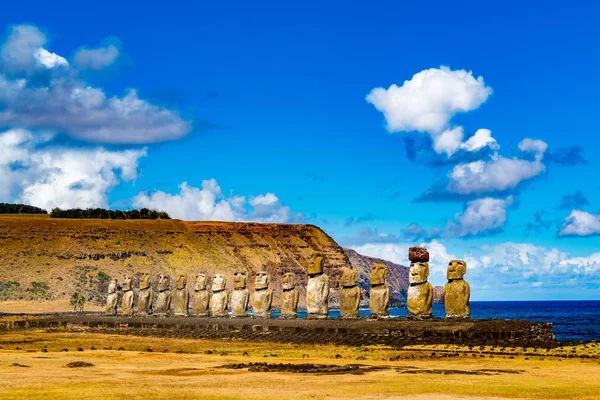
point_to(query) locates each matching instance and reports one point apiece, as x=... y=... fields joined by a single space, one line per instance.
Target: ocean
x=572 y=320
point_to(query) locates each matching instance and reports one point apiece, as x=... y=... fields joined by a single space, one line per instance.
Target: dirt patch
x=79 y=364
x=420 y=371
x=325 y=369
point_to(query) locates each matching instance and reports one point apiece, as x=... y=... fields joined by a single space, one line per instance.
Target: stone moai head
x=181 y=282
x=349 y=278
x=316 y=264
x=239 y=280
x=288 y=282
x=456 y=269
x=126 y=283
x=418 y=272
x=261 y=281
x=163 y=283
x=378 y=274
x=112 y=286
x=219 y=282
x=145 y=280
x=201 y=281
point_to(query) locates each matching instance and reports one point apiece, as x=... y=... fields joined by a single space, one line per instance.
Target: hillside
x=49 y=259
x=397 y=274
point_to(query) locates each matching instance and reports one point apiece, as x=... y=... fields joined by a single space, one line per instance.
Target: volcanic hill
x=397 y=278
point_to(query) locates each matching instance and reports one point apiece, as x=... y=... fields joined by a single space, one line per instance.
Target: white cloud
x=51 y=177
x=48 y=59
x=451 y=140
x=268 y=208
x=538 y=147
x=581 y=223
x=210 y=204
x=97 y=58
x=62 y=103
x=480 y=216
x=497 y=174
x=482 y=138
x=427 y=102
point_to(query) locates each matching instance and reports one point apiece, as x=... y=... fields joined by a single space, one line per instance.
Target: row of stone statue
x=203 y=303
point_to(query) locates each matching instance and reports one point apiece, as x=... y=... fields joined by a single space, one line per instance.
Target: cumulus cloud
x=210 y=204
x=48 y=177
x=427 y=103
x=96 y=58
x=268 y=208
x=498 y=174
x=580 y=223
x=61 y=102
x=481 y=216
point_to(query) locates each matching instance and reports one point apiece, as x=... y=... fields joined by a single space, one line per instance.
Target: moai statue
x=420 y=292
x=181 y=300
x=145 y=295
x=220 y=297
x=112 y=298
x=379 y=297
x=201 y=297
x=457 y=291
x=127 y=300
x=349 y=294
x=263 y=296
x=289 y=296
x=240 y=297
x=317 y=288
x=164 y=299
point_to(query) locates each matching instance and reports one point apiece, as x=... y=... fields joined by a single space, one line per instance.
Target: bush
x=103 y=276
x=38 y=289
x=9 y=290
x=77 y=301
x=102 y=213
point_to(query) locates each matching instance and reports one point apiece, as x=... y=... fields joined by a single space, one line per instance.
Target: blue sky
x=262 y=112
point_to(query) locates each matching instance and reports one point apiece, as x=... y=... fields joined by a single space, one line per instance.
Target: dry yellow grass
x=194 y=374
x=41 y=307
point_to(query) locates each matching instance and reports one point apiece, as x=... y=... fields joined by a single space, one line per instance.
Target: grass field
x=33 y=364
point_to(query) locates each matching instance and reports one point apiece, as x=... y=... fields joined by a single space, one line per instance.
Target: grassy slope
x=68 y=254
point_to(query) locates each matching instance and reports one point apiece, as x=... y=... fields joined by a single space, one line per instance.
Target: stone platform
x=395 y=332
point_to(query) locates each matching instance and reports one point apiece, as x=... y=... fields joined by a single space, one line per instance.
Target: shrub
x=77 y=301
x=38 y=289
x=103 y=276
x=9 y=290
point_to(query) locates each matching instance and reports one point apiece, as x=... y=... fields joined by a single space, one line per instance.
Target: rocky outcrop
x=397 y=278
